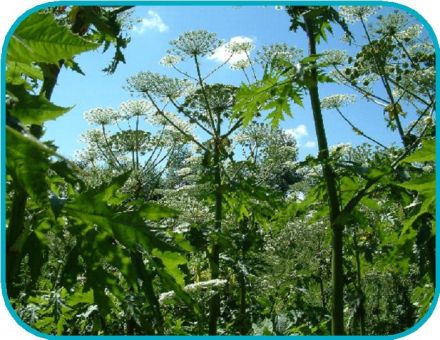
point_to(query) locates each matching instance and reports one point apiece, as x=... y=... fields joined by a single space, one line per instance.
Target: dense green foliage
x=188 y=211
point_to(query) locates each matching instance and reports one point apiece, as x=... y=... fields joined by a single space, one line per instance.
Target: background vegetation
x=188 y=211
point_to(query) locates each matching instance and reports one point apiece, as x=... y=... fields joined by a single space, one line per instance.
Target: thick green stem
x=244 y=324
x=361 y=310
x=137 y=143
x=15 y=229
x=205 y=95
x=214 y=305
x=333 y=200
x=244 y=319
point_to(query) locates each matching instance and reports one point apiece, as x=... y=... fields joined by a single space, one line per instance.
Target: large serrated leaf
x=154 y=212
x=425 y=154
x=36 y=251
x=27 y=162
x=16 y=71
x=33 y=109
x=425 y=184
x=39 y=38
x=172 y=261
x=72 y=267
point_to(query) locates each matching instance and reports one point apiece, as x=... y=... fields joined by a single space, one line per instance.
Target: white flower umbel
x=340 y=148
x=240 y=64
x=336 y=101
x=93 y=137
x=353 y=14
x=334 y=57
x=410 y=33
x=170 y=60
x=195 y=43
x=277 y=53
x=240 y=46
x=133 y=108
x=159 y=85
x=194 y=287
x=101 y=116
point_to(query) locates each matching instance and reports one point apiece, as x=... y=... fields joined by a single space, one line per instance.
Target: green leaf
x=33 y=109
x=427 y=206
x=172 y=261
x=27 y=162
x=80 y=298
x=72 y=267
x=310 y=59
x=74 y=66
x=272 y=95
x=425 y=154
x=129 y=228
x=370 y=203
x=425 y=184
x=98 y=280
x=37 y=258
x=16 y=71
x=170 y=283
x=39 y=38
x=155 y=212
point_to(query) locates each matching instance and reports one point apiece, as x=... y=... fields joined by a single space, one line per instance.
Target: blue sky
x=150 y=38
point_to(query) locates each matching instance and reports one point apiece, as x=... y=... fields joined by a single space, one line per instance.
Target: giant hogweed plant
x=105 y=241
x=289 y=81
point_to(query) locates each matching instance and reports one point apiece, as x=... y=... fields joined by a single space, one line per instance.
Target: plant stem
x=214 y=305
x=333 y=199
x=361 y=309
x=15 y=229
x=357 y=130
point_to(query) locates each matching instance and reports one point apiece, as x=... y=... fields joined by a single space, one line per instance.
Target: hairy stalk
x=361 y=307
x=214 y=304
x=333 y=199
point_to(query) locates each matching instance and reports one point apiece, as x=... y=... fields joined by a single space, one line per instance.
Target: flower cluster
x=340 y=148
x=276 y=54
x=101 y=116
x=93 y=137
x=337 y=100
x=240 y=64
x=131 y=140
x=240 y=47
x=159 y=85
x=353 y=14
x=410 y=33
x=133 y=108
x=195 y=43
x=334 y=57
x=170 y=60
x=193 y=288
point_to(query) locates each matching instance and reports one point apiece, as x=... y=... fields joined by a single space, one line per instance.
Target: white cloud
x=297 y=132
x=221 y=54
x=152 y=22
x=310 y=144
